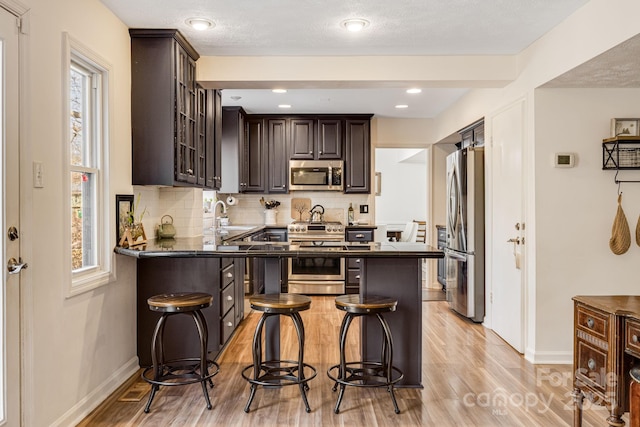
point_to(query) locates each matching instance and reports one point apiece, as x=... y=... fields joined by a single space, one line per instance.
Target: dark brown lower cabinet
x=220 y=277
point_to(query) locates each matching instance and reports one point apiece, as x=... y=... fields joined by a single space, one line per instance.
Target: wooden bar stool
x=366 y=373
x=279 y=372
x=186 y=370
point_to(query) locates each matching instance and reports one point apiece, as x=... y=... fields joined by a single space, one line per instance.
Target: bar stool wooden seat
x=279 y=372
x=185 y=370
x=366 y=373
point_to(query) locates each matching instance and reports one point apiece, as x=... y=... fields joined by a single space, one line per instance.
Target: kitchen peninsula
x=391 y=269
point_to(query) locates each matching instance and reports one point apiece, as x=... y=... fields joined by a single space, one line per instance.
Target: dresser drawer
x=227 y=275
x=593 y=322
x=632 y=336
x=591 y=366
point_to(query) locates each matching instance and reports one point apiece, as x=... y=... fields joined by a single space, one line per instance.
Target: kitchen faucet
x=215 y=220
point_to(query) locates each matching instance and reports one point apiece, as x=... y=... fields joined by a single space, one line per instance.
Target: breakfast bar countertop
x=207 y=246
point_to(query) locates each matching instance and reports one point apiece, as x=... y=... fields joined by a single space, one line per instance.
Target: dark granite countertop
x=207 y=246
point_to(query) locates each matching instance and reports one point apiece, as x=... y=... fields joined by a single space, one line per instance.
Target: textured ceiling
x=312 y=27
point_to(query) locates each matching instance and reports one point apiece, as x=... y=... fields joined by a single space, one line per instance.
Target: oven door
x=316 y=275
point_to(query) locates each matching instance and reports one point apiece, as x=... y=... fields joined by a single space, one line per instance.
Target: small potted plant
x=270 y=210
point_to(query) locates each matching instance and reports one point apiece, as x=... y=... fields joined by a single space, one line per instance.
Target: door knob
x=515 y=240
x=14 y=267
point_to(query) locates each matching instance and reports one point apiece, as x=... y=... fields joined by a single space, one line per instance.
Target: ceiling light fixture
x=414 y=90
x=284 y=106
x=355 y=25
x=402 y=106
x=200 y=24
x=279 y=90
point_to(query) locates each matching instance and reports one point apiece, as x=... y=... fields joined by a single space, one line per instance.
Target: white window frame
x=86 y=279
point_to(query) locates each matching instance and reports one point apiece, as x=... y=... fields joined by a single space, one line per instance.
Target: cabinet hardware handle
x=319 y=152
x=189 y=170
x=634 y=338
x=229 y=274
x=359 y=236
x=310 y=152
x=283 y=185
x=357 y=276
x=229 y=324
x=229 y=298
x=591 y=364
x=590 y=322
x=358 y=261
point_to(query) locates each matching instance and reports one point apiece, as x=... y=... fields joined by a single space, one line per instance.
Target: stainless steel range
x=317 y=275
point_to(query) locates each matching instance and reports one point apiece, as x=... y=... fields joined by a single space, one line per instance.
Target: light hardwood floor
x=470 y=377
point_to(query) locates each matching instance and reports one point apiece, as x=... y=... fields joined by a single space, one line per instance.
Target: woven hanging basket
x=620 y=234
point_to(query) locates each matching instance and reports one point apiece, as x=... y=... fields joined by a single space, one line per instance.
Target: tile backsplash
x=249 y=211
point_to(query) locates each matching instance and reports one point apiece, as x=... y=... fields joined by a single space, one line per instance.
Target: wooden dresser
x=606 y=344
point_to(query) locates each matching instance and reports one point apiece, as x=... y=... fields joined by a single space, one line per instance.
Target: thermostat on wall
x=564 y=160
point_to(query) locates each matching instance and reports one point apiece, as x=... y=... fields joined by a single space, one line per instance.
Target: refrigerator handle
x=454 y=254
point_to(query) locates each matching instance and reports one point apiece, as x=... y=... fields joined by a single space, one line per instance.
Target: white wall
x=575 y=208
x=77 y=349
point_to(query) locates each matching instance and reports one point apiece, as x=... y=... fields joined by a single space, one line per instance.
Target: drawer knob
x=229 y=274
x=358 y=261
x=229 y=324
x=229 y=298
x=358 y=276
x=590 y=322
x=634 y=338
x=591 y=364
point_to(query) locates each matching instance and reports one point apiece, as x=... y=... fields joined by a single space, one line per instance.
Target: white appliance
x=464 y=248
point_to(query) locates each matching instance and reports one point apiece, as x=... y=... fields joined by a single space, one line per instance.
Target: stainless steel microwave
x=315 y=175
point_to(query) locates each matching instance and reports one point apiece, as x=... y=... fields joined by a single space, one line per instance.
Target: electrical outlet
x=364 y=209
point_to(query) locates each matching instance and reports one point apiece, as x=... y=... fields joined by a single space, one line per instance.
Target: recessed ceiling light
x=355 y=25
x=414 y=90
x=402 y=106
x=200 y=24
x=284 y=106
x=279 y=90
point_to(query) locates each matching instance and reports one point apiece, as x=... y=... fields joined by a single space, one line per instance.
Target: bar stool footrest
x=279 y=373
x=365 y=374
x=181 y=372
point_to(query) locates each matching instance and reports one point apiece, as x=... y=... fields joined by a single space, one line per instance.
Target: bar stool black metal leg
x=203 y=321
x=204 y=371
x=388 y=344
x=342 y=372
x=297 y=322
x=257 y=358
x=156 y=354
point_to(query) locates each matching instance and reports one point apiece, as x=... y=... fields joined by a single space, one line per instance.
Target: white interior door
x=507 y=262
x=9 y=176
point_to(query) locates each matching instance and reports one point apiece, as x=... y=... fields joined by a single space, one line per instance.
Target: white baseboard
x=91 y=401
x=549 y=357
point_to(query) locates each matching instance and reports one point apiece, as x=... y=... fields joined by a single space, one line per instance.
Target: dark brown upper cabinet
x=302 y=141
x=316 y=138
x=170 y=144
x=278 y=169
x=472 y=135
x=253 y=155
x=329 y=139
x=357 y=163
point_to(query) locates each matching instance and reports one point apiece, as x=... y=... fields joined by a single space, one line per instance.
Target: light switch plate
x=38 y=175
x=364 y=209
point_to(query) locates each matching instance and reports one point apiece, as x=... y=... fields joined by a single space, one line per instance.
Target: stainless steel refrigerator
x=464 y=249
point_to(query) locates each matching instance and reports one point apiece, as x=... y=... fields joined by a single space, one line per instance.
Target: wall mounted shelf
x=621 y=153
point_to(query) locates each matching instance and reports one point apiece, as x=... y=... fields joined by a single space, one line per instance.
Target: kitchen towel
x=620 y=233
